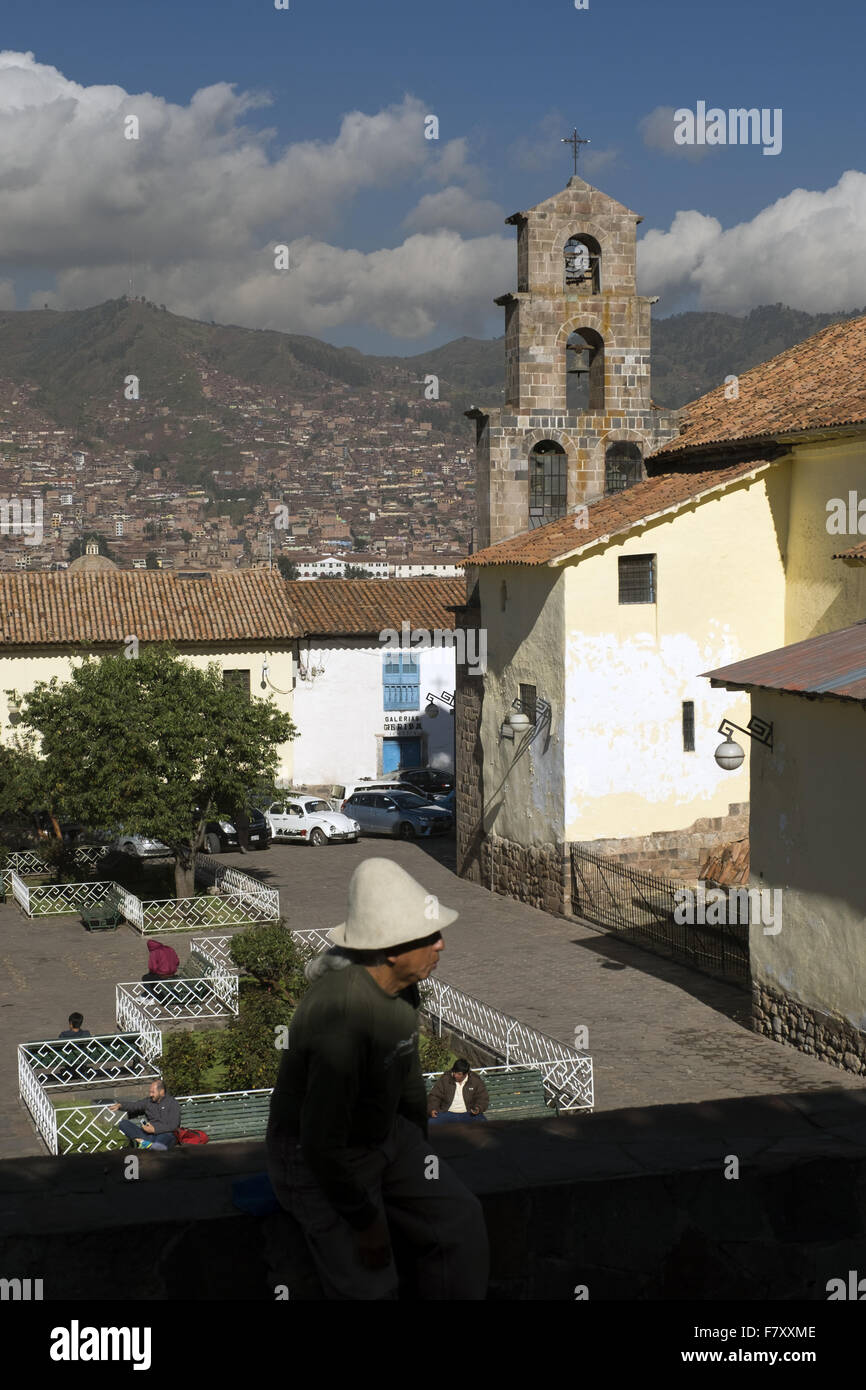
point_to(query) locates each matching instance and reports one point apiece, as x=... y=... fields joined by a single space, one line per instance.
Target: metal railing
x=56 y=899
x=265 y=901
x=52 y=1064
x=209 y=996
x=568 y=1075
x=640 y=905
x=213 y=951
x=191 y=914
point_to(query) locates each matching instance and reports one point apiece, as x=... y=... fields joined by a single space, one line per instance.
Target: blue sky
x=397 y=243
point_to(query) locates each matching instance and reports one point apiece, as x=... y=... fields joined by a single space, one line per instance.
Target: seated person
x=162 y=964
x=75 y=1029
x=163 y=1118
x=459 y=1094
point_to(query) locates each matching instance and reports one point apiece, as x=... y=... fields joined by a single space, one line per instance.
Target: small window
x=688 y=726
x=527 y=701
x=637 y=579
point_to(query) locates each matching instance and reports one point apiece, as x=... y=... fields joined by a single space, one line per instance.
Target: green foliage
x=184 y=1063
x=78 y=547
x=272 y=956
x=286 y=567
x=435 y=1055
x=249 y=1051
x=135 y=742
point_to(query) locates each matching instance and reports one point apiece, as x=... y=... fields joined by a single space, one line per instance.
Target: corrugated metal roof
x=832 y=664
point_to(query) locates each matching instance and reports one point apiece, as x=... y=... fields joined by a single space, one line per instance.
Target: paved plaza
x=659 y=1034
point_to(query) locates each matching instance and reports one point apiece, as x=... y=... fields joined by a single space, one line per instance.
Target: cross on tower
x=575 y=141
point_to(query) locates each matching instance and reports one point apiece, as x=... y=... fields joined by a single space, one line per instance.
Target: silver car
x=401 y=814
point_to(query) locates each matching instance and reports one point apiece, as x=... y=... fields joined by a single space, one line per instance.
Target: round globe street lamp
x=729 y=755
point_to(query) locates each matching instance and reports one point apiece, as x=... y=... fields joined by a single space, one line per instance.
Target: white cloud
x=454 y=208
x=200 y=199
x=804 y=250
x=657 y=132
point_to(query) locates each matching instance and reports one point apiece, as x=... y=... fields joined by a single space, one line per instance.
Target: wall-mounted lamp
x=519 y=721
x=266 y=670
x=433 y=702
x=729 y=755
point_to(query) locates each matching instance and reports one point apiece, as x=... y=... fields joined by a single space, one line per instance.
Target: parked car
x=377 y=784
x=397 y=813
x=447 y=802
x=427 y=780
x=221 y=833
x=141 y=846
x=310 y=819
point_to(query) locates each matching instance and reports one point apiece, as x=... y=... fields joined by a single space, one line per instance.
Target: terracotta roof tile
x=152 y=605
x=818 y=384
x=361 y=607
x=611 y=515
x=857 y=552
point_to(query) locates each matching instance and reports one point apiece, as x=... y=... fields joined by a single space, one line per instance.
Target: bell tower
x=577 y=420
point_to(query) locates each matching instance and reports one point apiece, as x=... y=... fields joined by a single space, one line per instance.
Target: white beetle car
x=311 y=820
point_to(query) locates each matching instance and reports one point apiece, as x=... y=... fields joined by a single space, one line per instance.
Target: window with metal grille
x=688 y=726
x=637 y=579
x=547 y=483
x=239 y=679
x=622 y=466
x=527 y=695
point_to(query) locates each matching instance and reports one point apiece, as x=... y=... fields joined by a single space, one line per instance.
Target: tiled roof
x=857 y=552
x=152 y=605
x=361 y=607
x=818 y=384
x=833 y=663
x=611 y=515
x=727 y=865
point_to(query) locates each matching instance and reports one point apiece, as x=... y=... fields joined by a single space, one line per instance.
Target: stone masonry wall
x=676 y=854
x=533 y=874
x=787 y=1020
x=468 y=760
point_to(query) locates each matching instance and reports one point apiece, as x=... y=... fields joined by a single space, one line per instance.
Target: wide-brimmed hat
x=388 y=907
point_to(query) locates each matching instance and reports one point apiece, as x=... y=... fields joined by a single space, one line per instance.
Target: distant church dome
x=91 y=562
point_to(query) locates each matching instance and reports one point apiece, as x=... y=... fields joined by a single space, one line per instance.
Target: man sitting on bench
x=459 y=1094
x=163 y=1118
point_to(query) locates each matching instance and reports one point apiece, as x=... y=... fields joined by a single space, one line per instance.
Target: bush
x=183 y=1064
x=249 y=1049
x=435 y=1055
x=272 y=956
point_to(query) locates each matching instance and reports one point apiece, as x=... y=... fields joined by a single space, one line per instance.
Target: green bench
x=105 y=915
x=236 y=1117
x=514 y=1095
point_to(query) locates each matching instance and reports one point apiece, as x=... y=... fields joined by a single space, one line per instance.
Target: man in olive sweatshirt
x=347 y=1137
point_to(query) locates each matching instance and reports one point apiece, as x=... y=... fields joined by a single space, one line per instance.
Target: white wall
x=341 y=716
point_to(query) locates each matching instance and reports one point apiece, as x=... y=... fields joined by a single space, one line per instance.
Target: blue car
x=401 y=814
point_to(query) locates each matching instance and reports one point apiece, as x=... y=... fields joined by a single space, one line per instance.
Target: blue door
x=398 y=753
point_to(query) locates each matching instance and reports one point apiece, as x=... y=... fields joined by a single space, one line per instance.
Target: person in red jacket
x=162 y=964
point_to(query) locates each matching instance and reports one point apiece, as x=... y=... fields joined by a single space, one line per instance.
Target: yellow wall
x=823 y=593
x=523 y=781
x=21 y=671
x=629 y=667
x=807 y=840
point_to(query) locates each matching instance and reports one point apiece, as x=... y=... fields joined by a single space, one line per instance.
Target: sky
x=306 y=127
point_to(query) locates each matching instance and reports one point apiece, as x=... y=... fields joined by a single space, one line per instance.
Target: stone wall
x=533 y=874
x=677 y=854
x=468 y=757
x=829 y=1037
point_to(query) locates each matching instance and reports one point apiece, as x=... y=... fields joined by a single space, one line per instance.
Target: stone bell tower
x=577 y=420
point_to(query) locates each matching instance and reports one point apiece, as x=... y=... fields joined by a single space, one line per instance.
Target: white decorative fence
x=190 y=914
x=55 y=1063
x=214 y=995
x=264 y=901
x=568 y=1075
x=213 y=951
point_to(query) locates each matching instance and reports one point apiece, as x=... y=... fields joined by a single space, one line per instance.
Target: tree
x=356 y=572
x=286 y=567
x=151 y=560
x=153 y=744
